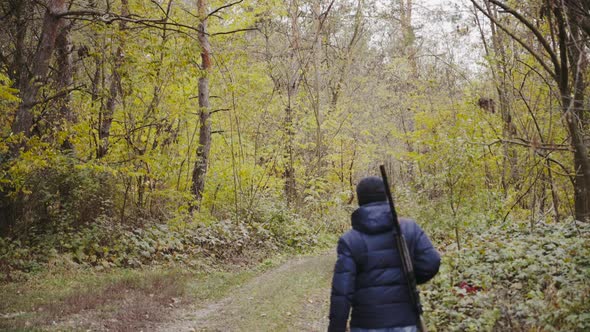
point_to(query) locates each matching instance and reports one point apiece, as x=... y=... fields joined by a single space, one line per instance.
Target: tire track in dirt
x=292 y=297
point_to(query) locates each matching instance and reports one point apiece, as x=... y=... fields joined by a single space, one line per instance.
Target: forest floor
x=291 y=295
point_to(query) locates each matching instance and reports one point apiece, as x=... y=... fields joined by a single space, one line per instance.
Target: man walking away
x=368 y=274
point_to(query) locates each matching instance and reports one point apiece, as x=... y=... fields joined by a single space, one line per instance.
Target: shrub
x=511 y=278
x=54 y=192
x=284 y=228
x=106 y=243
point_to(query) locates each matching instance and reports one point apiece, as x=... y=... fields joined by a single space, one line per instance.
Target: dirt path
x=292 y=297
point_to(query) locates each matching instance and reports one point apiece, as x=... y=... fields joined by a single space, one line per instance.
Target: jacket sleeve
x=342 y=288
x=426 y=257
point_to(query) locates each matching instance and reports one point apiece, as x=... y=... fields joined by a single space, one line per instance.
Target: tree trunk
x=200 y=167
x=107 y=112
x=64 y=80
x=65 y=73
x=408 y=35
x=19 y=71
x=582 y=169
x=30 y=84
x=574 y=110
x=500 y=72
x=574 y=113
x=290 y=183
x=292 y=89
x=573 y=67
x=348 y=57
x=317 y=102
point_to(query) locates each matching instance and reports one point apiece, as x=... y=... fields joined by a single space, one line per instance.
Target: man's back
x=368 y=273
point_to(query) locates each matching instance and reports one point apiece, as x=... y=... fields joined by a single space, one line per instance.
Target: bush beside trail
x=512 y=278
x=107 y=244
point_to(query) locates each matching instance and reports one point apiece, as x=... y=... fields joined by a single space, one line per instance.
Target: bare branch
x=220 y=110
x=158 y=23
x=532 y=145
x=566 y=172
x=232 y=31
x=520 y=41
x=160 y=7
x=533 y=29
x=223 y=7
x=55 y=96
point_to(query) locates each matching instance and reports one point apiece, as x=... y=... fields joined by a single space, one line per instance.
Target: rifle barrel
x=406 y=259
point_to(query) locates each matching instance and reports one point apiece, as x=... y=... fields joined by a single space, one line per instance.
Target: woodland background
x=141 y=132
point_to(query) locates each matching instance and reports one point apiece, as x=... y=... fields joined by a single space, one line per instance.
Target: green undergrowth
x=106 y=244
x=514 y=277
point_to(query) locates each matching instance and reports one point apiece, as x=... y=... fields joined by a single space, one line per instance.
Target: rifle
x=402 y=247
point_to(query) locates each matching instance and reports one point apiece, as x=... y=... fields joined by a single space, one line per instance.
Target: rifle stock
x=402 y=247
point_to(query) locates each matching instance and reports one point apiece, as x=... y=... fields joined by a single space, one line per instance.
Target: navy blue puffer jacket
x=368 y=275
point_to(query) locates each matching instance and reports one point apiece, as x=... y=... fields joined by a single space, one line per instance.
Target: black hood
x=372 y=218
x=369 y=190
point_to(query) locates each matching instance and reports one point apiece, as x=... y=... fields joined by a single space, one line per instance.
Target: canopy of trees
x=155 y=110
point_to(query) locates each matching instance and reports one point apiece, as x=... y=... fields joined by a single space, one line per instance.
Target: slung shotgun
x=402 y=247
